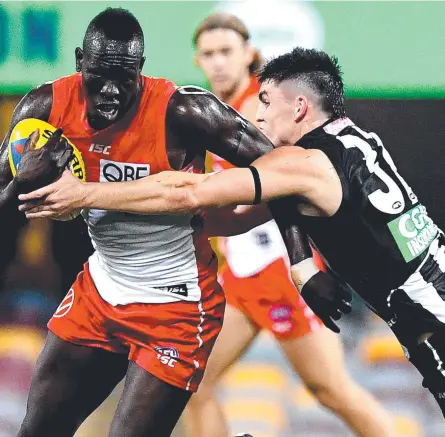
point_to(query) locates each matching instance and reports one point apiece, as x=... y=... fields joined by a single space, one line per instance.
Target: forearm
x=178 y=192
x=295 y=239
x=303 y=265
x=286 y=215
x=171 y=192
x=165 y=193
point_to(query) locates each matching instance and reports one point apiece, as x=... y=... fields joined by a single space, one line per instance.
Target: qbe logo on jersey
x=167 y=355
x=112 y=171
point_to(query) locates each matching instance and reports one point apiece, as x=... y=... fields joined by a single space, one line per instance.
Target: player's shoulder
x=289 y=157
x=194 y=96
x=319 y=138
x=69 y=79
x=191 y=102
x=193 y=90
x=150 y=82
x=328 y=138
x=37 y=103
x=40 y=93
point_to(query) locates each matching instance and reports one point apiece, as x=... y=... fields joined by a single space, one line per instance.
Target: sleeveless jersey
x=247 y=254
x=137 y=258
x=381 y=233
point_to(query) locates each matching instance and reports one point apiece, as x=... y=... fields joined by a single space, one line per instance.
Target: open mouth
x=108 y=110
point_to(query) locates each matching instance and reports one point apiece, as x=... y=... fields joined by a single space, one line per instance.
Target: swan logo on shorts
x=280 y=313
x=65 y=305
x=167 y=355
x=281 y=316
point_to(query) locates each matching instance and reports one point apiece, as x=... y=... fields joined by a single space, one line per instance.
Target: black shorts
x=418 y=306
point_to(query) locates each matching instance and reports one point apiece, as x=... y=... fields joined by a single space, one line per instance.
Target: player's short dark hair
x=115 y=24
x=314 y=69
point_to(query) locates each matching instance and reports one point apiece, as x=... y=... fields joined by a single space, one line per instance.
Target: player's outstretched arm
x=177 y=192
x=36 y=104
x=165 y=192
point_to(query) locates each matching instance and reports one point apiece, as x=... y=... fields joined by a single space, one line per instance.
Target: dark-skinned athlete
x=147 y=304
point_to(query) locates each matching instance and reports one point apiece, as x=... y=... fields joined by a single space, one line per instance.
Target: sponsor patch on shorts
x=280 y=313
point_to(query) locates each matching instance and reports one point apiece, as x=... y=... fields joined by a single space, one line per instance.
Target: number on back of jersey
x=391 y=201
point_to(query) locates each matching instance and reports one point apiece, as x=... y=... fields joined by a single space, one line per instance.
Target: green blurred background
x=386 y=48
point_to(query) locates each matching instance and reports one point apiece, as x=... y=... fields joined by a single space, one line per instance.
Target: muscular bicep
x=36 y=104
x=201 y=120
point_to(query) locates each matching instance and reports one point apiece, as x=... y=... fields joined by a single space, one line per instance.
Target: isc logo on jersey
x=167 y=355
x=112 y=171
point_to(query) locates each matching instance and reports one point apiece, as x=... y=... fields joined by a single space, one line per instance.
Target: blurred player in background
x=255 y=275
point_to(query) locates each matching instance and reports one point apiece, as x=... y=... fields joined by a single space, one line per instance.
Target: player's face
x=111 y=77
x=224 y=57
x=276 y=115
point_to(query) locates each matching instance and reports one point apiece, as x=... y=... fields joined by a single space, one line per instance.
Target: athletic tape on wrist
x=303 y=271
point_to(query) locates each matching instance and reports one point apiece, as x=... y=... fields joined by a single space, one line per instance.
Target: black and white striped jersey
x=381 y=232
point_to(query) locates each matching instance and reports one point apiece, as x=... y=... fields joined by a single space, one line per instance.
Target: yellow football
x=24 y=129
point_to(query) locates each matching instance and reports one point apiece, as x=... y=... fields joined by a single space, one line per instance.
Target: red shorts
x=172 y=341
x=270 y=300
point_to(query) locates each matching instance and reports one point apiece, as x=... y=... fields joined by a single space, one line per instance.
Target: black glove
x=43 y=166
x=328 y=298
